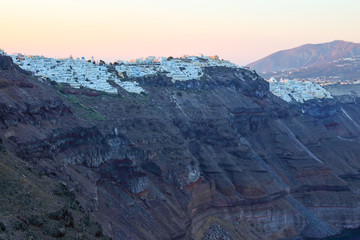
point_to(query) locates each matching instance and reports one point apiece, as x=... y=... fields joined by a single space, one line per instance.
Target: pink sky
x=240 y=31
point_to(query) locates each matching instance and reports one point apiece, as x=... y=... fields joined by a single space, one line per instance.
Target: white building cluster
x=178 y=69
x=80 y=73
x=134 y=71
x=299 y=90
x=76 y=72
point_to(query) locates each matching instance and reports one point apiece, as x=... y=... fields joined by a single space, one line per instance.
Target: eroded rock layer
x=220 y=157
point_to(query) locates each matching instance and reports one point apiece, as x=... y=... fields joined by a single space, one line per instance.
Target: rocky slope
x=216 y=158
x=35 y=207
x=308 y=55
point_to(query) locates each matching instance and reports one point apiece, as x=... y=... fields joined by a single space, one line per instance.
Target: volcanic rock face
x=219 y=157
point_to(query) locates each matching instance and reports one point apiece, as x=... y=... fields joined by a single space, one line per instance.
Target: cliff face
x=220 y=157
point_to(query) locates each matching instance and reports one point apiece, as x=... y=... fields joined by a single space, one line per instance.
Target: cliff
x=198 y=159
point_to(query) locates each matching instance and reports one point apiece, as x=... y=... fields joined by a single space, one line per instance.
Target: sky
x=236 y=30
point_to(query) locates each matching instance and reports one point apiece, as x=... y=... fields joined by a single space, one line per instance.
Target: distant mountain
x=307 y=55
x=338 y=71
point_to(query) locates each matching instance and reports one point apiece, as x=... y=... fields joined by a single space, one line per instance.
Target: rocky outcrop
x=125 y=172
x=32 y=113
x=215 y=77
x=64 y=141
x=6 y=64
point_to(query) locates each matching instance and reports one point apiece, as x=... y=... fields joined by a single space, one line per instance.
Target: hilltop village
x=299 y=91
x=97 y=75
x=81 y=73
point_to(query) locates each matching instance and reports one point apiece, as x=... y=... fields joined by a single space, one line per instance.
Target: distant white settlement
x=96 y=75
x=299 y=91
x=81 y=73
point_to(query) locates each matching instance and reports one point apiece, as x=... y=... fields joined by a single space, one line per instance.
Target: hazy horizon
x=239 y=31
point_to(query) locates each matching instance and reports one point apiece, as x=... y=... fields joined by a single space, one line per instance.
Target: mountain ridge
x=306 y=56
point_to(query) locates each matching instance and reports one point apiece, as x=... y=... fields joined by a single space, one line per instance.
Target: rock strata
x=200 y=159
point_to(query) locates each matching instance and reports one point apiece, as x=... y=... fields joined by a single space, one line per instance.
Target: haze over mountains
x=309 y=55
